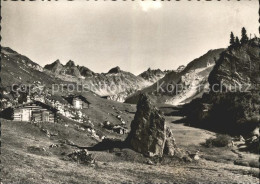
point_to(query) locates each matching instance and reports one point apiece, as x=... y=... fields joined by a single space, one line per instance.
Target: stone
x=241 y=138
x=149 y=133
x=254 y=138
x=196 y=157
x=82 y=156
x=54 y=146
x=37 y=150
x=170 y=145
x=47 y=132
x=186 y=159
x=149 y=162
x=256 y=132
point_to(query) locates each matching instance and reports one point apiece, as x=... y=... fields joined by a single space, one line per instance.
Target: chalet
x=78 y=102
x=35 y=111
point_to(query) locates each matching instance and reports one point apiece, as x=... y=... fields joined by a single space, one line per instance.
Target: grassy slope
x=21 y=166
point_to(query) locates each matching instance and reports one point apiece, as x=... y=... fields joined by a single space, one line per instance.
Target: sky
x=133 y=35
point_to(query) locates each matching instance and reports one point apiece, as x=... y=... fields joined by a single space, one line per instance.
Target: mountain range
x=173 y=87
x=181 y=86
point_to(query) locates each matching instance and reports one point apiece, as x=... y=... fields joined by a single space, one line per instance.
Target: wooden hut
x=35 y=111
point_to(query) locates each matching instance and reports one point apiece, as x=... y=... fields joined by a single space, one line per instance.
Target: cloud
x=150 y=5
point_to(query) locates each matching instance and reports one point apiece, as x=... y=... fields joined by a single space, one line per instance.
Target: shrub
x=220 y=141
x=247 y=163
x=231 y=113
x=254 y=163
x=254 y=147
x=235 y=113
x=241 y=162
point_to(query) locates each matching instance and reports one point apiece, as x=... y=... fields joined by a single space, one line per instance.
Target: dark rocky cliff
x=238 y=66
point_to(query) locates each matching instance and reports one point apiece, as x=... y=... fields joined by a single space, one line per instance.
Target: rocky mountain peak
x=149 y=70
x=70 y=63
x=115 y=70
x=57 y=61
x=152 y=75
x=55 y=67
x=86 y=72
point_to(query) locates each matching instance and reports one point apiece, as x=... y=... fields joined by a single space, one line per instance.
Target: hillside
x=232 y=103
x=19 y=69
x=181 y=87
x=30 y=156
x=22 y=77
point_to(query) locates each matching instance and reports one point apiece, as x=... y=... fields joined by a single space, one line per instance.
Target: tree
x=244 y=38
x=232 y=39
x=237 y=42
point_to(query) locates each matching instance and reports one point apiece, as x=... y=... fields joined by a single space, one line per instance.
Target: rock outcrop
x=232 y=103
x=149 y=134
x=237 y=67
x=169 y=147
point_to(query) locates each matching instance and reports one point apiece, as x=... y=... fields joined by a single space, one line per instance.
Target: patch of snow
x=195 y=83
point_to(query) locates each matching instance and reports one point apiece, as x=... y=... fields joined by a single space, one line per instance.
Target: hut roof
x=37 y=103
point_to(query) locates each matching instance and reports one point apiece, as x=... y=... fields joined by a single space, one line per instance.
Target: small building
x=119 y=129
x=77 y=103
x=28 y=99
x=35 y=111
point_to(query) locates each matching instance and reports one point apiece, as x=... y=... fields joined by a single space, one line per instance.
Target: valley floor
x=21 y=166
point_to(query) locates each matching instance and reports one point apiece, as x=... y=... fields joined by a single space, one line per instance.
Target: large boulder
x=149 y=134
